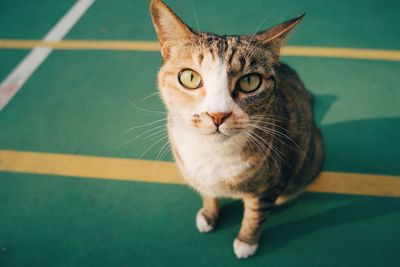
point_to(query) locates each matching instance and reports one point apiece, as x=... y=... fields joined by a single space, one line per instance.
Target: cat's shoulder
x=290 y=82
x=283 y=70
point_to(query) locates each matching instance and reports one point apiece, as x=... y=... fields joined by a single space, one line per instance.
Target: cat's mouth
x=216 y=132
x=219 y=133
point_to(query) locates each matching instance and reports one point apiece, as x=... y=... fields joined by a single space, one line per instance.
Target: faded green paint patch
x=9 y=60
x=25 y=19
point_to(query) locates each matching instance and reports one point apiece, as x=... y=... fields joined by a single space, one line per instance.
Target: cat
x=240 y=123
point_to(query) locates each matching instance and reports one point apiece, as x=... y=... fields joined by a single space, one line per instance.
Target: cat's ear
x=276 y=35
x=168 y=25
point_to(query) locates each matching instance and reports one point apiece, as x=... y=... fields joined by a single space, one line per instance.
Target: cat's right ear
x=169 y=27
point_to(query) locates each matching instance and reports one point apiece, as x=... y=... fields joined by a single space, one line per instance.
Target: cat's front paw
x=202 y=224
x=244 y=250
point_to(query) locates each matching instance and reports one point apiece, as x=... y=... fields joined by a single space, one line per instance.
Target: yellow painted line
x=357 y=184
x=89 y=167
x=167 y=173
x=300 y=51
x=333 y=52
x=82 y=45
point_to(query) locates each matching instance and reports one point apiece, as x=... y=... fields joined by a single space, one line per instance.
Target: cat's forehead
x=222 y=44
x=237 y=53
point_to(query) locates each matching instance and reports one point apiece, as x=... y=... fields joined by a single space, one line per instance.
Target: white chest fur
x=207 y=161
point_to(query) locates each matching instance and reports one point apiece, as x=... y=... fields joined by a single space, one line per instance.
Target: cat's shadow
x=350 y=209
x=321 y=105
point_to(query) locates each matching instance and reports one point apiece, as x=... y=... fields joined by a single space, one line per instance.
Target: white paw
x=202 y=224
x=243 y=250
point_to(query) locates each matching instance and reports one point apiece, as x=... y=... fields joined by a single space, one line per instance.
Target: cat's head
x=216 y=85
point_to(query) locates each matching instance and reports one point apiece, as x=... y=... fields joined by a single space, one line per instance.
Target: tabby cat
x=240 y=123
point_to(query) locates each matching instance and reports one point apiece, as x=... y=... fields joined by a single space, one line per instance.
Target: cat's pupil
x=191 y=77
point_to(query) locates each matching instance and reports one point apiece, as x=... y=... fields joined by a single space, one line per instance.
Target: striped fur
x=268 y=147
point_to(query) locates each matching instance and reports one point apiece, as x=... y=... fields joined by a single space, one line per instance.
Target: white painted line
x=16 y=79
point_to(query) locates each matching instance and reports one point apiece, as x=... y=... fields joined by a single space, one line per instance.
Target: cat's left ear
x=276 y=35
x=169 y=27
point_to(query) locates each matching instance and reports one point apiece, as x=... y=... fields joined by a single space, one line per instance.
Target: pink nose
x=219 y=118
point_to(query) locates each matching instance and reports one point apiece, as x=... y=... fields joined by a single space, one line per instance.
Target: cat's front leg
x=207 y=216
x=256 y=210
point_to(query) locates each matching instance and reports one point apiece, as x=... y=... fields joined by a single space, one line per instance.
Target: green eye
x=189 y=79
x=249 y=83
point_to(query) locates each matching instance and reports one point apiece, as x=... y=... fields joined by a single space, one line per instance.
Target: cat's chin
x=219 y=135
x=215 y=134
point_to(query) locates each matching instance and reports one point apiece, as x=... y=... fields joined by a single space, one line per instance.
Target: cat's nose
x=218 y=118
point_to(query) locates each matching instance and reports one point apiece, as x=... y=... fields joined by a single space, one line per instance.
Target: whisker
x=272 y=134
x=264 y=150
x=251 y=51
x=251 y=139
x=274 y=131
x=259 y=142
x=158 y=158
x=269 y=116
x=151 y=95
x=274 y=121
x=140 y=135
x=260 y=138
x=265 y=123
x=273 y=149
x=161 y=151
x=255 y=32
x=148 y=149
x=270 y=119
x=146 y=110
x=154 y=134
x=165 y=152
x=141 y=126
x=195 y=16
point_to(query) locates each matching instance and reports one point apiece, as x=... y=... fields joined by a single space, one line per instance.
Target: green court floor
x=79 y=102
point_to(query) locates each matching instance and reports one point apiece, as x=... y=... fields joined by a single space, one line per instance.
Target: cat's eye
x=189 y=79
x=249 y=83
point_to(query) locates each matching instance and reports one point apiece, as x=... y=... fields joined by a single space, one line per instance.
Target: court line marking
x=16 y=79
x=299 y=51
x=167 y=173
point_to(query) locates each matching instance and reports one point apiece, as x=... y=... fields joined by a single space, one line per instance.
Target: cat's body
x=240 y=123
